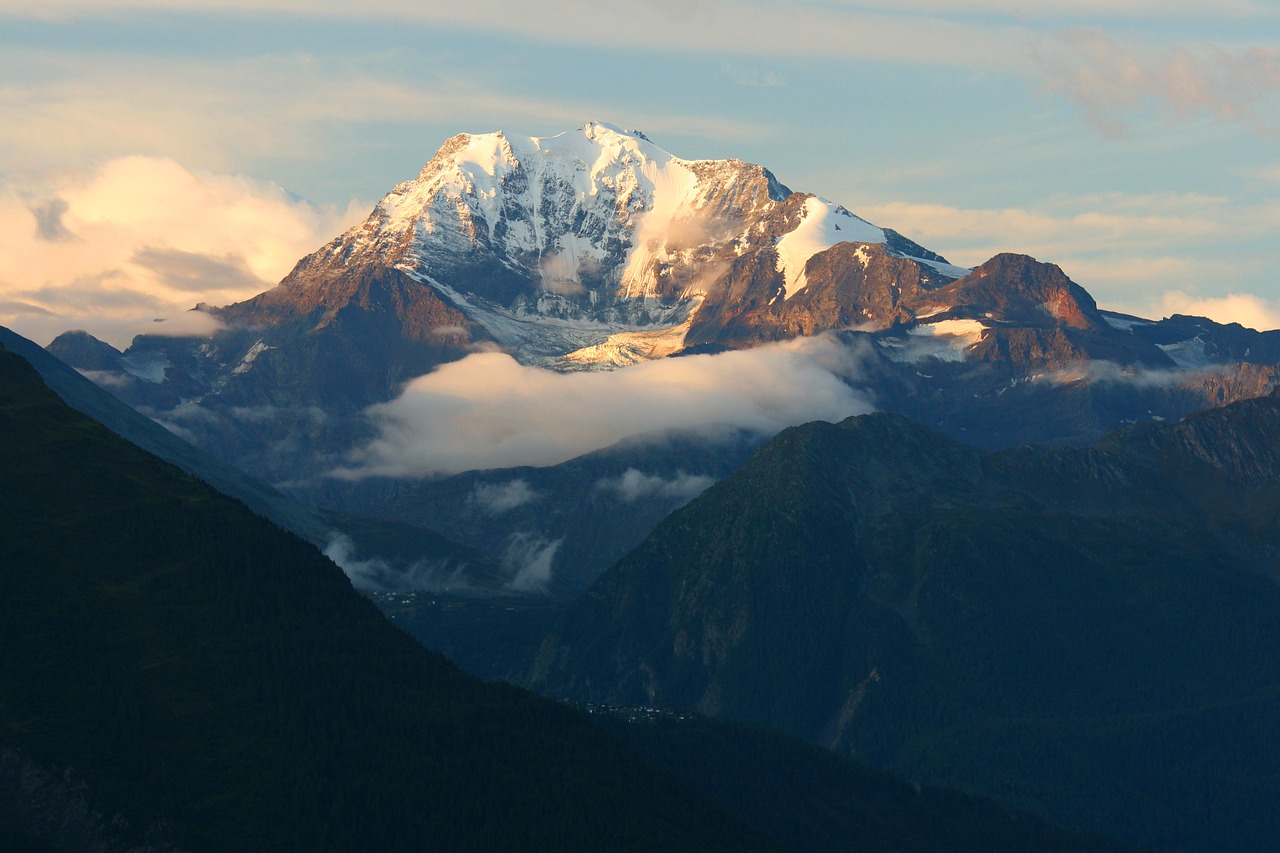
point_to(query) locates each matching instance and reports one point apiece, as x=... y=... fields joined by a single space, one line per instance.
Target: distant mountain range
x=596 y=249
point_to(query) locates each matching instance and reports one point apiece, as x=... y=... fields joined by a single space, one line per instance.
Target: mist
x=633 y=485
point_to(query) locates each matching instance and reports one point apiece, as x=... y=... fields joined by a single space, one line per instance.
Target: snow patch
x=249 y=357
x=1122 y=323
x=822 y=225
x=945 y=340
x=949 y=270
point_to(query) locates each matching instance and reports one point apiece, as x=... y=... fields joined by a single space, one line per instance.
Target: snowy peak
x=596 y=247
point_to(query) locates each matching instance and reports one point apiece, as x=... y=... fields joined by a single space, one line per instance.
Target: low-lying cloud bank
x=489 y=411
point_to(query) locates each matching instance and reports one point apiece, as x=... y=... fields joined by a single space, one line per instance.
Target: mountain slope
x=556 y=528
x=404 y=549
x=1091 y=634
x=818 y=801
x=178 y=675
x=216 y=684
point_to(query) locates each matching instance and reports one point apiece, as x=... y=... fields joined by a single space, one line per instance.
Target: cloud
x=193 y=272
x=364 y=574
x=232 y=112
x=49 y=225
x=381 y=575
x=1110 y=372
x=633 y=485
x=530 y=557
x=488 y=411
x=1110 y=81
x=142 y=239
x=1126 y=249
x=559 y=274
x=753 y=79
x=497 y=498
x=1244 y=308
x=107 y=378
x=1065 y=225
x=745 y=27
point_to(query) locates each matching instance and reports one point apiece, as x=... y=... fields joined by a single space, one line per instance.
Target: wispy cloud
x=1110 y=80
x=1147 y=254
x=753 y=78
x=220 y=112
x=1063 y=225
x=711 y=26
x=633 y=485
x=530 y=559
x=498 y=498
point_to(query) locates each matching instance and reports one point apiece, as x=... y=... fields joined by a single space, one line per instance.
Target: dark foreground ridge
x=184 y=675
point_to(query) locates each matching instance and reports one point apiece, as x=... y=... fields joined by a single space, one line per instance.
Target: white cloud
x=667 y=9
x=633 y=485
x=497 y=498
x=376 y=573
x=1244 y=308
x=530 y=558
x=142 y=239
x=223 y=113
x=488 y=411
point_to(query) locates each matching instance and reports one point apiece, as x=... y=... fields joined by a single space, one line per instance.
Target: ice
x=1188 y=354
x=945 y=340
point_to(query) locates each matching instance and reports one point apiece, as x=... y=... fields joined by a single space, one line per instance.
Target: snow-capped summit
x=596 y=248
x=620 y=243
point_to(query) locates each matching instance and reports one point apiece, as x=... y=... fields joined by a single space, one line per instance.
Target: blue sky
x=158 y=153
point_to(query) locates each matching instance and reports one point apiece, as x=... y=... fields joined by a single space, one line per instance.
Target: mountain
x=554 y=529
x=818 y=801
x=590 y=248
x=407 y=554
x=596 y=249
x=180 y=674
x=1091 y=634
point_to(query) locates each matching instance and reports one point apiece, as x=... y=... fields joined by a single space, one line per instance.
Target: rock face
x=597 y=246
x=1061 y=626
x=588 y=250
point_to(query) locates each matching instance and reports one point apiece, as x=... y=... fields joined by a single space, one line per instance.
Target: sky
x=159 y=153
